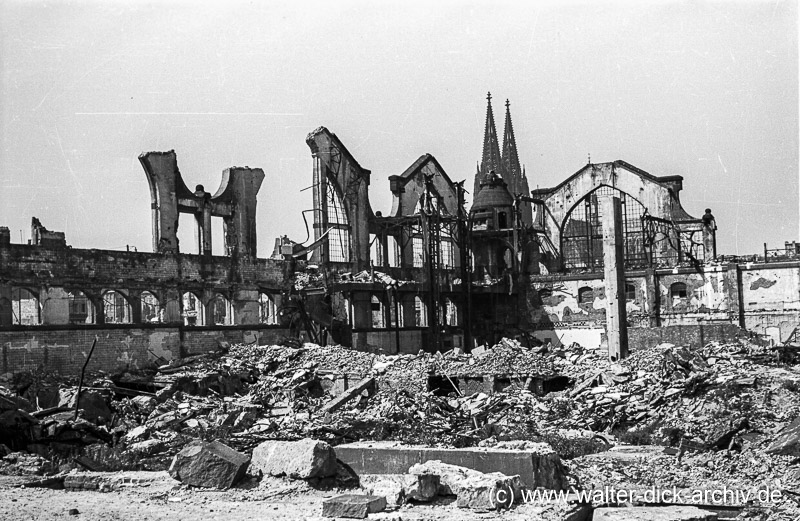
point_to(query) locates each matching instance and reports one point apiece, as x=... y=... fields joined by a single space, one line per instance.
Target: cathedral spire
x=491 y=160
x=510 y=155
x=514 y=173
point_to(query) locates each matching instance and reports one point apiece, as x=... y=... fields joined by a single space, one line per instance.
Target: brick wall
x=64 y=349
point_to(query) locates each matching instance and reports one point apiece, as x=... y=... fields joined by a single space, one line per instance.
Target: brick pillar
x=613 y=264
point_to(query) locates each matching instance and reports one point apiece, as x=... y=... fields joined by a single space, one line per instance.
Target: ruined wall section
x=51 y=273
x=761 y=298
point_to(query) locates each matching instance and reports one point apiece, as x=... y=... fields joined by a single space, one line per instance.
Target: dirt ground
x=159 y=498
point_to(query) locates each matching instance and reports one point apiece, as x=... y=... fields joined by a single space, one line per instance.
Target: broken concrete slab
x=209 y=464
x=668 y=513
x=92 y=403
x=349 y=394
x=537 y=465
x=788 y=442
x=302 y=459
x=473 y=489
x=354 y=506
x=401 y=488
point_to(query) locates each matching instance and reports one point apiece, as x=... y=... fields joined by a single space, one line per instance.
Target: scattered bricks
x=348 y=395
x=353 y=506
x=209 y=464
x=302 y=459
x=473 y=489
x=670 y=513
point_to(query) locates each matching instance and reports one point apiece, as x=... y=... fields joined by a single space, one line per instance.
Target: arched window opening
x=375 y=250
x=81 y=309
x=418 y=251
x=448 y=254
x=116 y=308
x=395 y=311
x=502 y=220
x=582 y=235
x=25 y=307
x=221 y=311
x=378 y=320
x=420 y=313
x=394 y=251
x=268 y=311
x=630 y=292
x=193 y=313
x=152 y=312
x=585 y=295
x=678 y=290
x=339 y=234
x=450 y=312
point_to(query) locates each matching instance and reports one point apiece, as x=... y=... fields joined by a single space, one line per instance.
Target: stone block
x=302 y=459
x=209 y=464
x=353 y=506
x=473 y=489
x=401 y=488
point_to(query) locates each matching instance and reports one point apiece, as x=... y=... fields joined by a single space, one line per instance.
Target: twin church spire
x=505 y=165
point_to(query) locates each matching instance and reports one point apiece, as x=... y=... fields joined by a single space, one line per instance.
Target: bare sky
x=706 y=90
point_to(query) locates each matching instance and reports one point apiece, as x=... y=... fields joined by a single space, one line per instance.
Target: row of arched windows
x=118 y=308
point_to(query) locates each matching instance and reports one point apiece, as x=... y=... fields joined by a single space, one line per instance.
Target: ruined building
x=608 y=252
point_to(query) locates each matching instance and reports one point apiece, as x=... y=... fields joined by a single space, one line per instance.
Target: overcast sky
x=706 y=90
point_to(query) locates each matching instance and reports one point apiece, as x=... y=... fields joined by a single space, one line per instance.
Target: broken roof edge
x=659 y=180
x=311 y=142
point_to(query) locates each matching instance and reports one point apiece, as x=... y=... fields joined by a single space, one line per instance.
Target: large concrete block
x=537 y=465
x=473 y=489
x=670 y=513
x=209 y=464
x=296 y=459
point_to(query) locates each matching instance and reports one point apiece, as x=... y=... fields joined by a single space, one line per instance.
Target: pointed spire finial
x=489 y=96
x=590 y=158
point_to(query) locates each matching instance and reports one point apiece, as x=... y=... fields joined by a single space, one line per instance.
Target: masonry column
x=613 y=265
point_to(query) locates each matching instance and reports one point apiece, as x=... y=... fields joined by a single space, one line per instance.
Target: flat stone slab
x=629 y=453
x=670 y=513
x=788 y=442
x=537 y=466
x=354 y=506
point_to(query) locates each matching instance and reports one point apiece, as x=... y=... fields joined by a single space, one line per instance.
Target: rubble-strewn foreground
x=255 y=427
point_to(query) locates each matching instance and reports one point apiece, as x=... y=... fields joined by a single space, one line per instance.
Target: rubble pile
x=729 y=411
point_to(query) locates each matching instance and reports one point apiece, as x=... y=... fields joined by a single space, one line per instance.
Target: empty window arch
x=193 y=312
x=116 y=308
x=221 y=311
x=81 y=308
x=585 y=295
x=25 y=308
x=268 y=310
x=678 y=290
x=152 y=311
